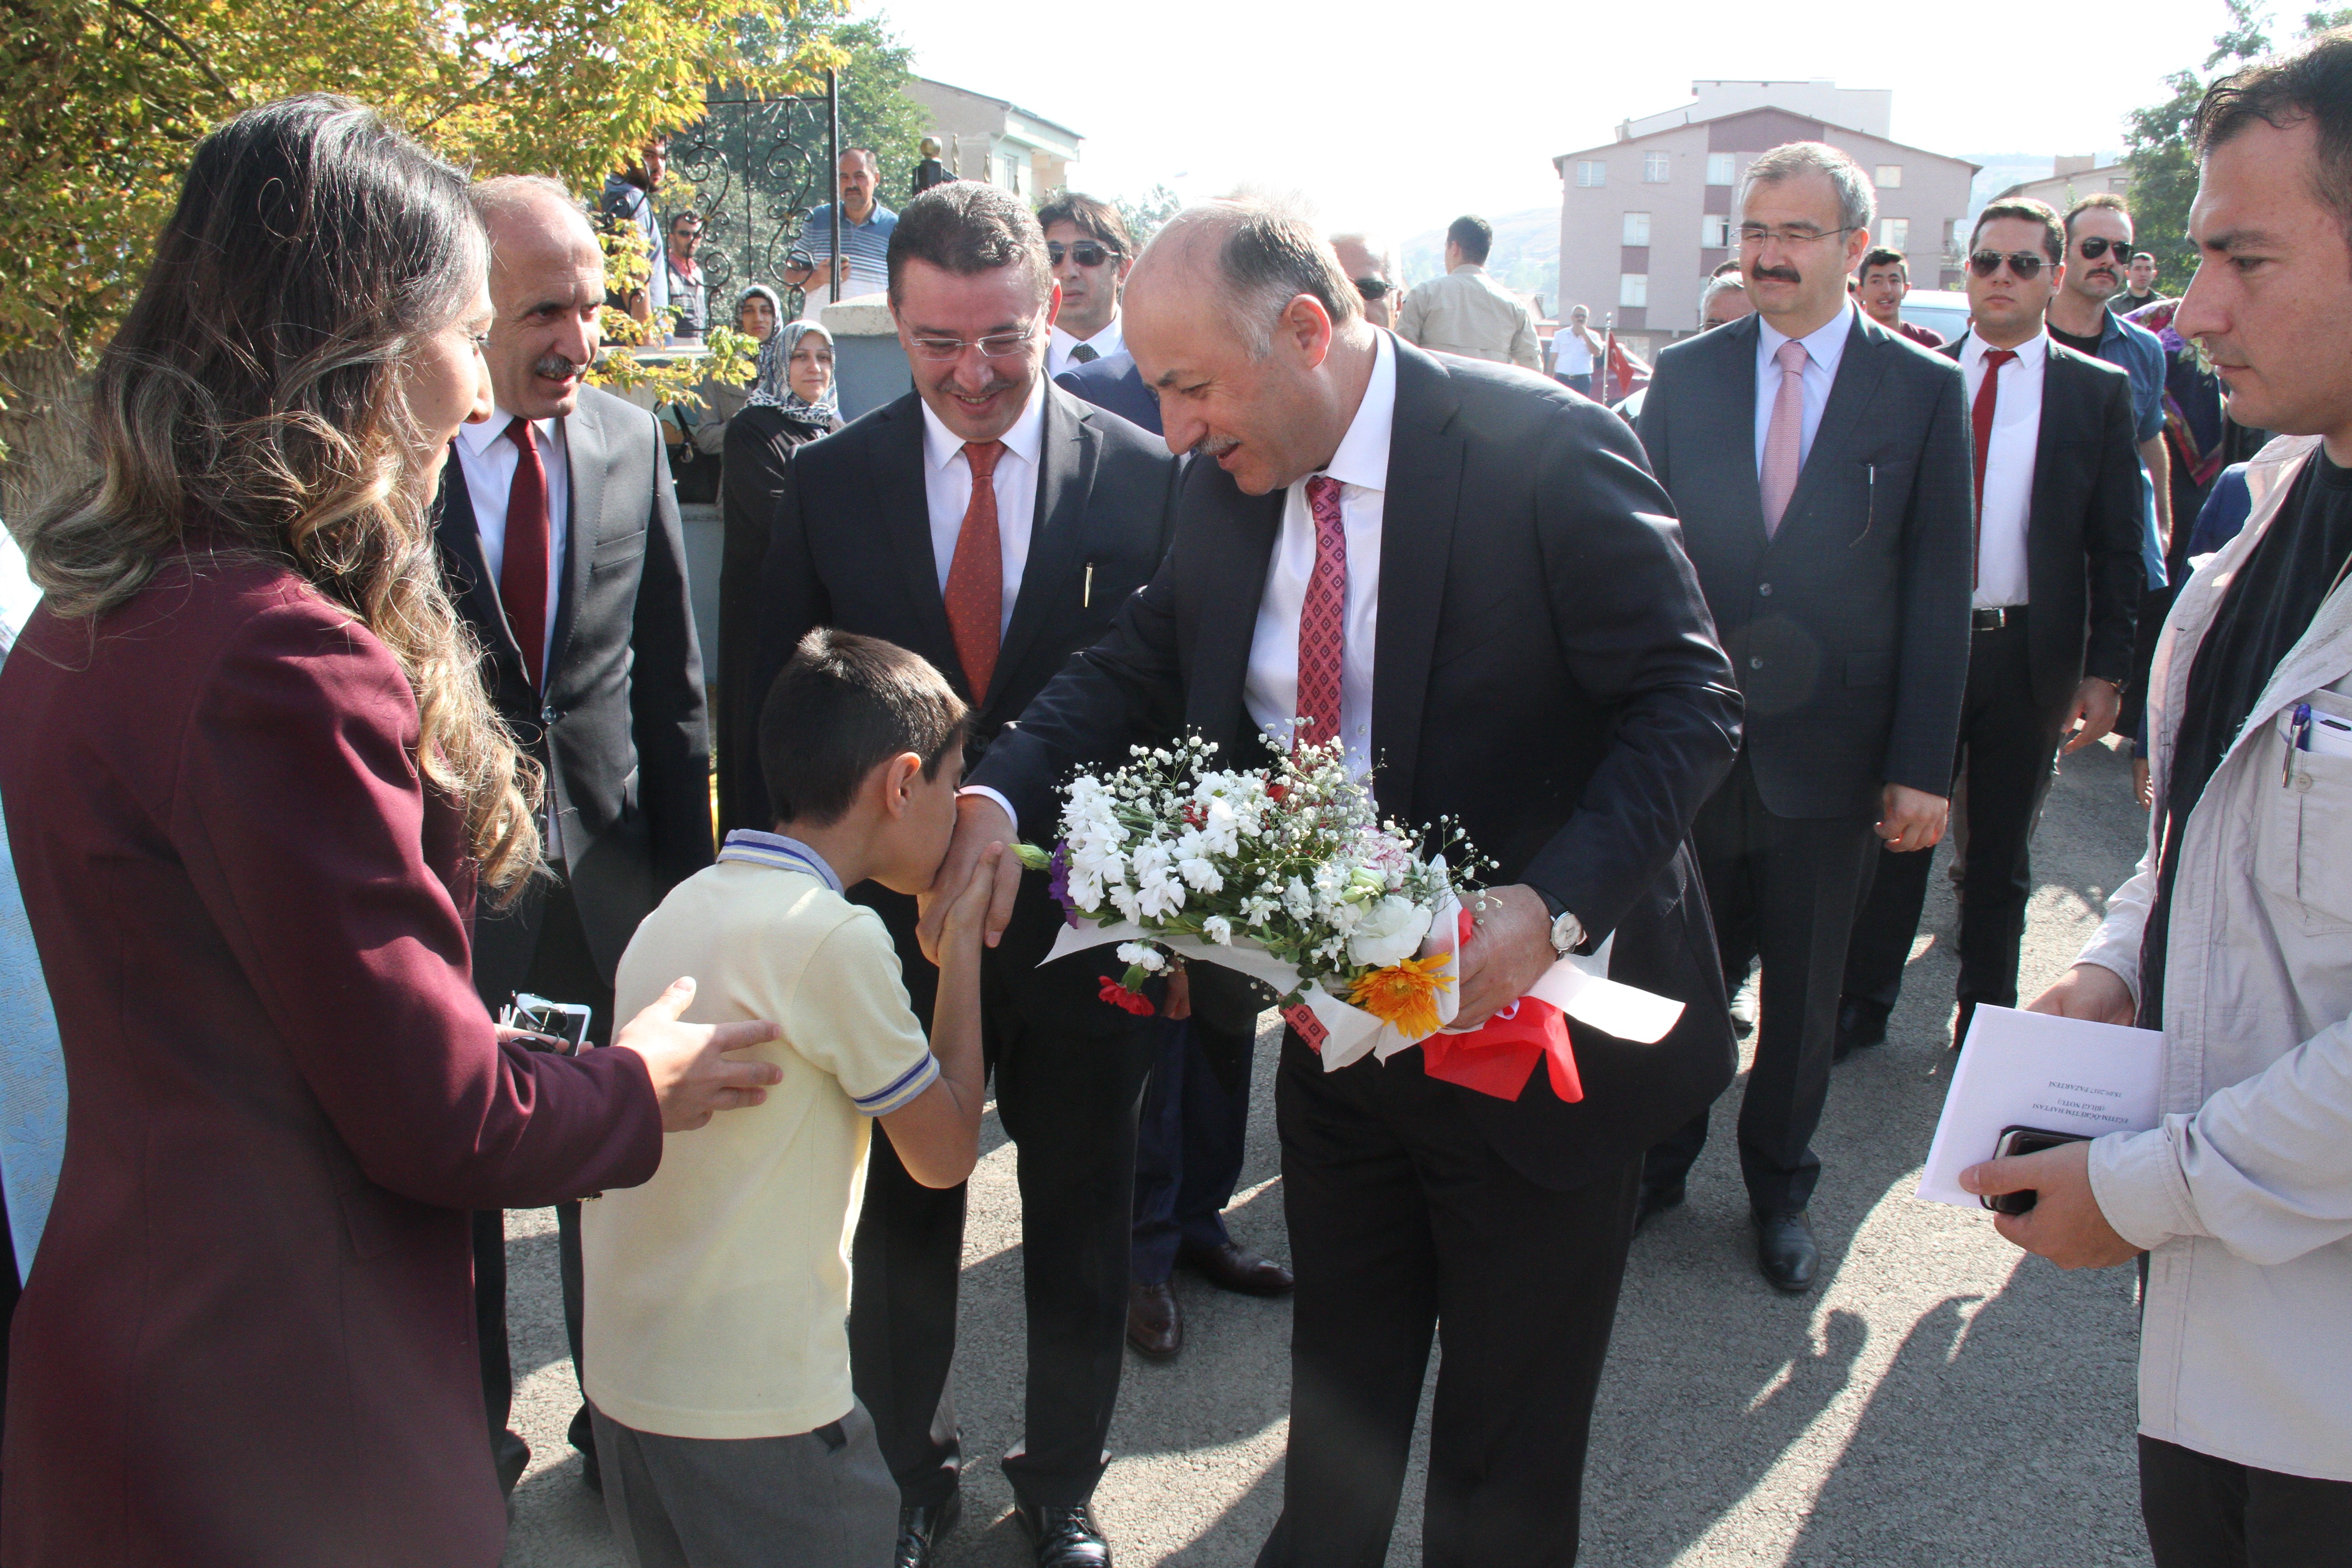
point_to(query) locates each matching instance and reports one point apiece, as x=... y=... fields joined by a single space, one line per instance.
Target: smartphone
x=559 y=1027
x=2024 y=1140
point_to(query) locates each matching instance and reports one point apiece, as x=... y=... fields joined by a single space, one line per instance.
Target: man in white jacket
x=2235 y=936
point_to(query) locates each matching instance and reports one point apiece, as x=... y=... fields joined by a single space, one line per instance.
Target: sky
x=1397 y=117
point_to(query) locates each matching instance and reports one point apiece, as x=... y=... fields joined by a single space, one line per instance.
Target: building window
x=1720 y=170
x=1632 y=289
x=1715 y=231
x=1656 y=167
x=1894 y=233
x=1591 y=173
x=1956 y=242
x=1637 y=228
x=1890 y=177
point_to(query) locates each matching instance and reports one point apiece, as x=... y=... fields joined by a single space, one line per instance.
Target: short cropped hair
x=1716 y=287
x=967 y=229
x=1857 y=204
x=865 y=152
x=1266 y=257
x=2053 y=232
x=2147 y=256
x=1473 y=236
x=688 y=216
x=844 y=706
x=2316 y=84
x=1088 y=214
x=2106 y=201
x=1880 y=256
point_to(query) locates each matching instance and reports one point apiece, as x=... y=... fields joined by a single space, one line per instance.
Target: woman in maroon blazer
x=252 y=782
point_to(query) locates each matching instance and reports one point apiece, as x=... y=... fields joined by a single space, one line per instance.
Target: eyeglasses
x=2026 y=264
x=1086 y=252
x=2098 y=245
x=1799 y=233
x=1372 y=288
x=997 y=346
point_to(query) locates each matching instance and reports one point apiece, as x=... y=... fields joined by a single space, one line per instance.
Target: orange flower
x=1404 y=994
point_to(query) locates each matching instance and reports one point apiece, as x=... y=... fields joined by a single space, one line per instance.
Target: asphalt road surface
x=1937 y=1399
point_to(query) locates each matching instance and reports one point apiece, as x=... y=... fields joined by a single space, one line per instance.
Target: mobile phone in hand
x=559 y=1026
x=2024 y=1140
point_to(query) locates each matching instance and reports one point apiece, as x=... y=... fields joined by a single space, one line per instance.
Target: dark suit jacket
x=1849 y=627
x=250 y=1336
x=621 y=727
x=2082 y=571
x=1116 y=384
x=1546 y=674
x=852 y=548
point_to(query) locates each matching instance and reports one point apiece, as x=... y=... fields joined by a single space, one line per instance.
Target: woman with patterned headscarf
x=792 y=401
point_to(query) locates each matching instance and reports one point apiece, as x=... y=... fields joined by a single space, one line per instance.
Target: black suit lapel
x=1067 y=452
x=1417 y=516
x=1861 y=368
x=1235 y=534
x=1732 y=415
x=2060 y=395
x=460 y=537
x=902 y=503
x=587 y=455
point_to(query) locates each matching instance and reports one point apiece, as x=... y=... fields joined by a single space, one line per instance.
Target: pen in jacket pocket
x=1870 y=506
x=1087 y=593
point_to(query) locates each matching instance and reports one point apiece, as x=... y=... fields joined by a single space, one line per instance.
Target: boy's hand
x=997 y=875
x=692 y=1078
x=980 y=821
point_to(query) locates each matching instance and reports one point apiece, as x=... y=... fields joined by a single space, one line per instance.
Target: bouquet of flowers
x=1285 y=873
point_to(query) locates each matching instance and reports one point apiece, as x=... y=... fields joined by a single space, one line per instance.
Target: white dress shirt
x=1111 y=340
x=1824 y=348
x=947 y=487
x=488 y=461
x=1361 y=466
x=2007 y=506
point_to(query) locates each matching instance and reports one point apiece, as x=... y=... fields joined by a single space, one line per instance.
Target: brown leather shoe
x=1155 y=1325
x=1237 y=1268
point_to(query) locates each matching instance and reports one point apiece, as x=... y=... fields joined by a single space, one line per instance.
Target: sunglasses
x=1086 y=253
x=2026 y=264
x=2095 y=246
x=1372 y=288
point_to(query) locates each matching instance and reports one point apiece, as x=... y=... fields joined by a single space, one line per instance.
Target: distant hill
x=1525 y=255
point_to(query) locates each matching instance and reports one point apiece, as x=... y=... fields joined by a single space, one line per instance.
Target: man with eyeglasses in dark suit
x=1820 y=466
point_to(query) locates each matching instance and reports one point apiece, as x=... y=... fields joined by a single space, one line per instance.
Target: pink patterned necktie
x=1323 y=619
x=1784 y=439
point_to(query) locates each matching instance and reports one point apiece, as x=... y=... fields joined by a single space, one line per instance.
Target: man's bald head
x=1254 y=259
x=547 y=287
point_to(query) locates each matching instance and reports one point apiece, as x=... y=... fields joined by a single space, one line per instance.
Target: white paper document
x=2035 y=1070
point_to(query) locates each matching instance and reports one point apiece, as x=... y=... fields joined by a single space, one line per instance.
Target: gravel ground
x=1938 y=1399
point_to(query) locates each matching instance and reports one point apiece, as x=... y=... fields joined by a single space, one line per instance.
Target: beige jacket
x=2244 y=1195
x=1468 y=313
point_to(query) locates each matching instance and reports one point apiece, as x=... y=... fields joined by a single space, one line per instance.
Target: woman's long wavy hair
x=253 y=404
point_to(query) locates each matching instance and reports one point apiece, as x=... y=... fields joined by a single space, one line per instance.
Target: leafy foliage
x=1144 y=216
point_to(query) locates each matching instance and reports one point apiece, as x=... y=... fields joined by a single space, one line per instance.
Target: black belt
x=1993 y=620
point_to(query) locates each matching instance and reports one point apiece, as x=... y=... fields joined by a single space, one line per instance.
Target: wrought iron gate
x=758 y=168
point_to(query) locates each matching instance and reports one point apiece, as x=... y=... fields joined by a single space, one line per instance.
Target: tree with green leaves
x=105 y=100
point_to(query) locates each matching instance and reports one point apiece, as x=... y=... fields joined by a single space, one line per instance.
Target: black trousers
x=1783 y=891
x=1188 y=1152
x=1405 y=1222
x=2204 y=1513
x=1069 y=1071
x=562 y=969
x=2008 y=741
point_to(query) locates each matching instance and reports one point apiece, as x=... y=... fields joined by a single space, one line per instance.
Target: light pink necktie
x=1784 y=439
x=1323 y=619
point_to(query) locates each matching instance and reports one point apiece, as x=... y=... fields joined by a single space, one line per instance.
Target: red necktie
x=523 y=572
x=1323 y=619
x=975 y=593
x=1981 y=416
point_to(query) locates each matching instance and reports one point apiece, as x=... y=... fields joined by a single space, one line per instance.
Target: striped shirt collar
x=778 y=852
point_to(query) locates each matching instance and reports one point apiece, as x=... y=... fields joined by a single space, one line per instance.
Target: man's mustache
x=556 y=367
x=1777 y=274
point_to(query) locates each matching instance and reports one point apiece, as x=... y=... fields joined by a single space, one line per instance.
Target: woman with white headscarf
x=792 y=401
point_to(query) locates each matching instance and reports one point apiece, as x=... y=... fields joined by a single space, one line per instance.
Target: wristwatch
x=1567 y=930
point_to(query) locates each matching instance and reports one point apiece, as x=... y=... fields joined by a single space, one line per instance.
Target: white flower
x=1258 y=911
x=1219 y=930
x=1390 y=932
x=1201 y=873
x=1298 y=901
x=1143 y=955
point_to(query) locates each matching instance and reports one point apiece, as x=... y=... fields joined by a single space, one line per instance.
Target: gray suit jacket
x=621 y=727
x=1848 y=628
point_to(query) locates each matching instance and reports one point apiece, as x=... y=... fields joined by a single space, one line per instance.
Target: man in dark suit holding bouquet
x=1469 y=579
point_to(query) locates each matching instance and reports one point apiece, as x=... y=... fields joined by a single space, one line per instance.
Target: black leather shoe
x=1237 y=1268
x=1155 y=1324
x=923 y=1527
x=1656 y=1199
x=1065 y=1537
x=1785 y=1249
x=1860 y=1025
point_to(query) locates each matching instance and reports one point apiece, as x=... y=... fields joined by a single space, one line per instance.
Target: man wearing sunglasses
x=1087 y=242
x=2061 y=512
x=1820 y=466
x=1371 y=266
x=992 y=523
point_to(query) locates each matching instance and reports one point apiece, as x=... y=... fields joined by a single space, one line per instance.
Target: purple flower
x=1057 y=881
